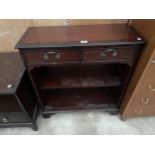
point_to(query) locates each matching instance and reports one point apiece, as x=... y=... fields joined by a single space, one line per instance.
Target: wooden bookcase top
x=83 y=35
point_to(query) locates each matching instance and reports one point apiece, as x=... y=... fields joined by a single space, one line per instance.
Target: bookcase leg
x=48 y=115
x=122 y=118
x=114 y=112
x=34 y=127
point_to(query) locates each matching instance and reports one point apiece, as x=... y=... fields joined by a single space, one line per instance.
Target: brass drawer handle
x=153 y=62
x=138 y=112
x=4 y=119
x=110 y=50
x=103 y=54
x=114 y=54
x=46 y=56
x=146 y=101
x=153 y=89
x=56 y=56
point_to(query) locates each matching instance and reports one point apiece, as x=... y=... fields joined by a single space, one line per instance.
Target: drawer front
x=145 y=99
x=51 y=57
x=149 y=77
x=100 y=54
x=143 y=96
x=14 y=118
x=145 y=92
x=153 y=57
x=138 y=111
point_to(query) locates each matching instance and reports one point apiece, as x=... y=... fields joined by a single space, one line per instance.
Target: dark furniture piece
x=18 y=102
x=80 y=67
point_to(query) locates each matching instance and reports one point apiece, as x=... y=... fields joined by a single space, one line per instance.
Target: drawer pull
x=56 y=56
x=153 y=89
x=153 y=62
x=145 y=101
x=114 y=54
x=138 y=112
x=4 y=119
x=46 y=57
x=103 y=54
x=109 y=50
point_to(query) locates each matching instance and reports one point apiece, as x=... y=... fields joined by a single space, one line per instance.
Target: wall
x=12 y=30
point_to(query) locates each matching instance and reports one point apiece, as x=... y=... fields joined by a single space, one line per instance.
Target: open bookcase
x=80 y=87
x=80 y=67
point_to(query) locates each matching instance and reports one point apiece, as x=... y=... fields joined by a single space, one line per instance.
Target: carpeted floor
x=87 y=123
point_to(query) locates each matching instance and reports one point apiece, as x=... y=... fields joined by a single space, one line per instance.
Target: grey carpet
x=86 y=123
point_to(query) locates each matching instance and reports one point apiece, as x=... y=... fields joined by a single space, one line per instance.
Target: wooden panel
x=14 y=117
x=116 y=53
x=83 y=99
x=11 y=71
x=79 y=76
x=69 y=36
x=139 y=111
x=146 y=28
x=142 y=99
x=8 y=103
x=136 y=85
x=149 y=76
x=12 y=30
x=51 y=57
x=153 y=58
x=142 y=93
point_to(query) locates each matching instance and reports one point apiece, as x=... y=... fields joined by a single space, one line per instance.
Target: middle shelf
x=83 y=76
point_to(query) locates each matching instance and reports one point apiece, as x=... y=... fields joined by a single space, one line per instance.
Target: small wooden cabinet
x=80 y=67
x=18 y=102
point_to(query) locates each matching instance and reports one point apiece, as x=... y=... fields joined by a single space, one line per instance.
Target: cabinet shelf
x=76 y=99
x=78 y=77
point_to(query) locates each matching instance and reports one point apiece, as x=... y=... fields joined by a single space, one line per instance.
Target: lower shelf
x=79 y=99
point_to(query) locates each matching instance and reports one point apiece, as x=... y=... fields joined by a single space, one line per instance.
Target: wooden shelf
x=79 y=99
x=78 y=77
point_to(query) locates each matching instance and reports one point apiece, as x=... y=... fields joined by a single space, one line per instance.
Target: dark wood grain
x=8 y=103
x=78 y=76
x=65 y=56
x=66 y=36
x=11 y=71
x=111 y=53
x=76 y=55
x=78 y=99
x=52 y=54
